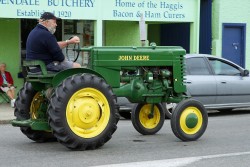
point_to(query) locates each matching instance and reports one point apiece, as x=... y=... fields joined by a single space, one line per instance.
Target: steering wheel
x=76 y=52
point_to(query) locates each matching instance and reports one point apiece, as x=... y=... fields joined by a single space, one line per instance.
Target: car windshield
x=223 y=68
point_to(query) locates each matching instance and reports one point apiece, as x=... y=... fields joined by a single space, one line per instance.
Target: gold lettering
x=125 y=57
x=135 y=57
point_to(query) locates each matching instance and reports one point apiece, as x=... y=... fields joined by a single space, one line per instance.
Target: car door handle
x=188 y=82
x=223 y=82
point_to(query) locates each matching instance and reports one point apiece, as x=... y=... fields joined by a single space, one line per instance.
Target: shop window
x=84 y=29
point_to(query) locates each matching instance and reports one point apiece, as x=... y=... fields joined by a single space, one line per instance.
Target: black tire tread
x=58 y=105
x=22 y=112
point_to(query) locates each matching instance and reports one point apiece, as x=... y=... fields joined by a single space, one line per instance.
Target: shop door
x=175 y=34
x=233 y=43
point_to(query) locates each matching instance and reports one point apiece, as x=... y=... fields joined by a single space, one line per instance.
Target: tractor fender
x=59 y=77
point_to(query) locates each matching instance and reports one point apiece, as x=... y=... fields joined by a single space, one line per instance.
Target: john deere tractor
x=78 y=107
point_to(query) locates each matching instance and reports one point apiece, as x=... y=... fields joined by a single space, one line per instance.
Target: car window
x=223 y=68
x=196 y=66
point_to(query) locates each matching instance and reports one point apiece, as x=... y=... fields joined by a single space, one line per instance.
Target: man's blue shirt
x=42 y=45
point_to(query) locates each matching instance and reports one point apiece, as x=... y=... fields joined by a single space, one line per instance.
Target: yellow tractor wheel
x=189 y=120
x=83 y=112
x=145 y=121
x=27 y=104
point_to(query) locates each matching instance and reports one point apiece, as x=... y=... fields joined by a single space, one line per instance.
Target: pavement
x=6 y=113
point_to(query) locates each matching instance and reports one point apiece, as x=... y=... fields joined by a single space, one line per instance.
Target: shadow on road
x=216 y=113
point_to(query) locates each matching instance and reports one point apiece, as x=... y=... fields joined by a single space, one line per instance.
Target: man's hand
x=74 y=40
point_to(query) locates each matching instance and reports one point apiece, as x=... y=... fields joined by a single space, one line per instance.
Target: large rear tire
x=143 y=122
x=189 y=120
x=83 y=113
x=27 y=103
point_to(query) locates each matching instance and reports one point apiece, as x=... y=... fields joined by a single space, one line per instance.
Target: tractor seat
x=38 y=71
x=37 y=68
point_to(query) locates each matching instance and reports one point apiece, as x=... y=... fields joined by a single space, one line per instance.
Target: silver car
x=216 y=82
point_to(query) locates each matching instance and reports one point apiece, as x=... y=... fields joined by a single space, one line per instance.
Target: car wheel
x=169 y=109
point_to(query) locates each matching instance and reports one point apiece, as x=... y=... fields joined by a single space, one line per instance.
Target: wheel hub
x=191 y=120
x=87 y=112
x=35 y=107
x=147 y=119
x=150 y=116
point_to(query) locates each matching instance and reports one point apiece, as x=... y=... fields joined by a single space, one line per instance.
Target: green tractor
x=78 y=107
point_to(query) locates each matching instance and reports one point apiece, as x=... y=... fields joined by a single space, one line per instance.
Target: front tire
x=27 y=103
x=189 y=120
x=83 y=113
x=143 y=122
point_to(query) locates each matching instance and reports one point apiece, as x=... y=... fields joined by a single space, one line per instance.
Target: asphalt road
x=225 y=143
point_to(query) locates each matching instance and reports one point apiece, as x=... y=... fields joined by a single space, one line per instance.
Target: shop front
x=99 y=23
